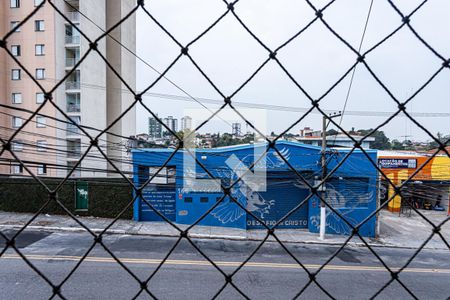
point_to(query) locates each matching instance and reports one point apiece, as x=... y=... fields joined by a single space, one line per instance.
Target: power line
x=51 y=148
x=354 y=68
x=63 y=121
x=201 y=100
x=142 y=60
x=358 y=113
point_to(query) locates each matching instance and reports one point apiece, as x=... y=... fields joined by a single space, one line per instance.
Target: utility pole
x=323 y=208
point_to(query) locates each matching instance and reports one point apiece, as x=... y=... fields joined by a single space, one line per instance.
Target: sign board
x=397 y=163
x=81 y=195
x=162 y=201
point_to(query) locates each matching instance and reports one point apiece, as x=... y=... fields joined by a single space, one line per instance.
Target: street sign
x=397 y=163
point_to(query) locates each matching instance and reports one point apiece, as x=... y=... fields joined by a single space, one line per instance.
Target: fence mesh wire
x=230 y=8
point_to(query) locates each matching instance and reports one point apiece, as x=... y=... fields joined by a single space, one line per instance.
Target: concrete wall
x=119 y=97
x=60 y=95
x=93 y=81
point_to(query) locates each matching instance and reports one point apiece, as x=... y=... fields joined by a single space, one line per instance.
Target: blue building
x=351 y=190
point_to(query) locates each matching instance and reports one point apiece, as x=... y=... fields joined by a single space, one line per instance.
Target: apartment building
x=171 y=123
x=92 y=96
x=155 y=128
x=186 y=123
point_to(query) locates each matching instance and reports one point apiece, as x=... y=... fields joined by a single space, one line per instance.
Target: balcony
x=72 y=130
x=72 y=85
x=73 y=16
x=73 y=148
x=73 y=153
x=73 y=40
x=73 y=108
x=71 y=62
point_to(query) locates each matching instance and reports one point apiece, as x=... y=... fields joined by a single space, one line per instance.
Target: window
x=40 y=73
x=74 y=148
x=42 y=169
x=16 y=169
x=71 y=128
x=15 y=74
x=38 y=2
x=41 y=122
x=39 y=49
x=14 y=3
x=72 y=35
x=72 y=57
x=39 y=25
x=39 y=98
x=17 y=122
x=73 y=81
x=15 y=50
x=187 y=199
x=17 y=146
x=16 y=98
x=166 y=175
x=203 y=199
x=73 y=102
x=13 y=25
x=41 y=145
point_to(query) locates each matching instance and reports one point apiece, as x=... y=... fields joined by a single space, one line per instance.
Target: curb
x=204 y=236
x=211 y=236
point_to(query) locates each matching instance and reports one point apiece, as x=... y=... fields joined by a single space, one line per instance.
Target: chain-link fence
x=229 y=8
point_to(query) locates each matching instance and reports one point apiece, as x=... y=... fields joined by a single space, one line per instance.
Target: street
x=271 y=274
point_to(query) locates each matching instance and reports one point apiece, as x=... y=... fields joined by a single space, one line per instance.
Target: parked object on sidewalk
x=406 y=207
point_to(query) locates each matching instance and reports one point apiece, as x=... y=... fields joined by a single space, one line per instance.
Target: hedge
x=107 y=196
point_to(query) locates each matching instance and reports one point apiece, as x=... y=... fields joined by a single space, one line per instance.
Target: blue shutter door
x=281 y=197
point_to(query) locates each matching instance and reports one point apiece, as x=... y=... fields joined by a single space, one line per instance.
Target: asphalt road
x=271 y=274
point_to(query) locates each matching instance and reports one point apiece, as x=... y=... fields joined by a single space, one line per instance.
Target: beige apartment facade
x=49 y=47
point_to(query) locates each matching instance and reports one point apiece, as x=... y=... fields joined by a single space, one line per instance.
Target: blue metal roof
x=250 y=146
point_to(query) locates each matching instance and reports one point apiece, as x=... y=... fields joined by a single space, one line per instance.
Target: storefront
x=351 y=190
x=429 y=183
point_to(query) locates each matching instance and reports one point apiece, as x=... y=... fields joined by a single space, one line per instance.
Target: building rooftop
x=441 y=152
x=338 y=137
x=258 y=144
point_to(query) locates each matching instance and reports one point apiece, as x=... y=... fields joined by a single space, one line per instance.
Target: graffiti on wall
x=254 y=201
x=347 y=198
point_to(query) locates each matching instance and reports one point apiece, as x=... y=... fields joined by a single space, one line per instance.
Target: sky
x=229 y=55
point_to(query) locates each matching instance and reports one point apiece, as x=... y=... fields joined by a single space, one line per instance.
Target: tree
x=441 y=137
x=397 y=145
x=332 y=132
x=182 y=133
x=381 y=140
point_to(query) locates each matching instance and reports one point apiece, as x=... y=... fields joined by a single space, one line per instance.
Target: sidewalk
x=395 y=231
